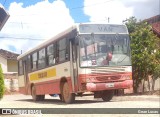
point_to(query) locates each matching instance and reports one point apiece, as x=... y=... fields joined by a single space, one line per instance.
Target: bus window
x=63 y=50
x=51 y=55
x=34 y=61
x=29 y=63
x=20 y=67
x=41 y=59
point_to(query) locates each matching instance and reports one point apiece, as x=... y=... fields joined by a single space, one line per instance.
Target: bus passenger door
x=73 y=65
x=26 y=80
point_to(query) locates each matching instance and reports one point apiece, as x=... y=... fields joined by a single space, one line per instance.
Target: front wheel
x=107 y=95
x=67 y=96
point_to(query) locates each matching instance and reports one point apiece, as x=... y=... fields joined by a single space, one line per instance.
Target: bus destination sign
x=102 y=28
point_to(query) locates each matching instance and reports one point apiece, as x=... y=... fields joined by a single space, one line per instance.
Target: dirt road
x=22 y=101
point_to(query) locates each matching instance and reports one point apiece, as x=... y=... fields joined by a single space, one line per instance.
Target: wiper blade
x=122 y=60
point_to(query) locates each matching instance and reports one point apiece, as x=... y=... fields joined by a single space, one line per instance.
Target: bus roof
x=47 y=42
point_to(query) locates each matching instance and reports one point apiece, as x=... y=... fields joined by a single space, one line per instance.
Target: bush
x=1 y=83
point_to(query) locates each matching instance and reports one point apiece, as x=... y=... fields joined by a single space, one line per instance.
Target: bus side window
x=67 y=49
x=34 y=61
x=57 y=52
x=63 y=48
x=51 y=54
x=29 y=63
x=41 y=58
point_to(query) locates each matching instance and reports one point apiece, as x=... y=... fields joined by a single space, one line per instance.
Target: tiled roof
x=156 y=27
x=155 y=22
x=8 y=55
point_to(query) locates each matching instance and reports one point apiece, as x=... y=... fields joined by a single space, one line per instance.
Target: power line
x=49 y=22
x=22 y=38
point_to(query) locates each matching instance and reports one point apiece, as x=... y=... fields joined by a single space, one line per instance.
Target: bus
x=86 y=58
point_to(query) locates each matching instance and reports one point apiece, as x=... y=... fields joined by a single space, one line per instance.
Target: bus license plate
x=109 y=85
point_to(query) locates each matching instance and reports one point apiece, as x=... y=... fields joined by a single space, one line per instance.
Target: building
x=9 y=64
x=155 y=22
x=8 y=61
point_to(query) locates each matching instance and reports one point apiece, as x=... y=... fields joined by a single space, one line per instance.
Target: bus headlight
x=127 y=77
x=90 y=79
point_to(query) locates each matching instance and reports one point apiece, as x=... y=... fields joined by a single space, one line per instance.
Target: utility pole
x=108 y=19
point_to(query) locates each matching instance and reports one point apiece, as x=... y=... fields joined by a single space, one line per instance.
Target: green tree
x=1 y=83
x=145 y=48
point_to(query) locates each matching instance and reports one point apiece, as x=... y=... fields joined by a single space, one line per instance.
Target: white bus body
x=84 y=58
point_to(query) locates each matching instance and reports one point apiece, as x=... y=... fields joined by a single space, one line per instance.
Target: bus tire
x=107 y=95
x=34 y=96
x=67 y=96
x=42 y=97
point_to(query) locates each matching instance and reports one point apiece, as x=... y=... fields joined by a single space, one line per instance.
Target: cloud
x=118 y=10
x=40 y=21
x=143 y=9
x=100 y=10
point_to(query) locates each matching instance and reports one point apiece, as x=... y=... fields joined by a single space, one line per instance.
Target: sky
x=33 y=21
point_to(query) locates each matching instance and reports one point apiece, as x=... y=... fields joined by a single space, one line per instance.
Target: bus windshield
x=104 y=50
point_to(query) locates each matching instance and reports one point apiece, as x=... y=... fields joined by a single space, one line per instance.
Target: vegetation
x=1 y=83
x=145 y=46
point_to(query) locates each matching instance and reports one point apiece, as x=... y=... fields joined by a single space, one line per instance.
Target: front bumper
x=108 y=86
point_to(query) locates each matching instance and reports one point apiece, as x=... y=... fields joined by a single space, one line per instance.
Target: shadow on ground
x=59 y=102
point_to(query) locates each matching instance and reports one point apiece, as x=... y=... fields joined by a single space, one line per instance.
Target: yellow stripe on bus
x=43 y=74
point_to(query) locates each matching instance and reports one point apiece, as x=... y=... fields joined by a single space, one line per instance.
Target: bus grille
x=111 y=78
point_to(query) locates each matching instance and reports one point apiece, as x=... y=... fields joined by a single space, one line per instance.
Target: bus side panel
x=48 y=87
x=51 y=87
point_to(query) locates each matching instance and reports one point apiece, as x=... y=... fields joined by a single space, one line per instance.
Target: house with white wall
x=8 y=61
x=9 y=64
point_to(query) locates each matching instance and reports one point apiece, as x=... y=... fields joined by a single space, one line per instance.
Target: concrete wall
x=11 y=82
x=12 y=66
x=3 y=63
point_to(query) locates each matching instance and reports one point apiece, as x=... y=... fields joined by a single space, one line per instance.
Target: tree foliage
x=145 y=46
x=1 y=83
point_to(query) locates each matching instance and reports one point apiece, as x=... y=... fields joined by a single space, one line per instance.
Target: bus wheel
x=34 y=96
x=42 y=97
x=67 y=96
x=107 y=95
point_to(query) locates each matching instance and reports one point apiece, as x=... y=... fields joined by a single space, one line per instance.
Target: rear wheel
x=107 y=95
x=36 y=97
x=42 y=97
x=67 y=96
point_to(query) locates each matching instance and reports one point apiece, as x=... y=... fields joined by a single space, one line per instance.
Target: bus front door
x=73 y=64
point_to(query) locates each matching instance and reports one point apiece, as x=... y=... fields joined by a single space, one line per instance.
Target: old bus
x=84 y=58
